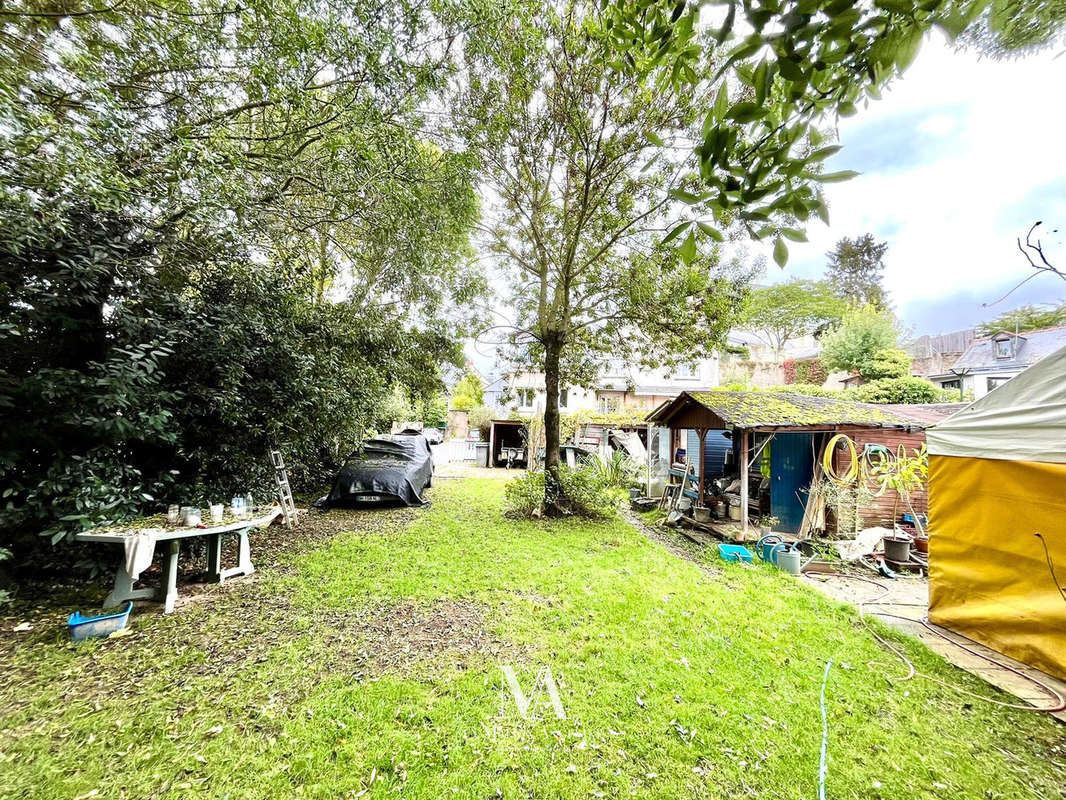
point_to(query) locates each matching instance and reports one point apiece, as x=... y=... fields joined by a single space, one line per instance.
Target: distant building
x=620 y=386
x=990 y=361
x=936 y=354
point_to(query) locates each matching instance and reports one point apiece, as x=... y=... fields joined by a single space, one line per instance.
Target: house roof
x=1029 y=348
x=775 y=410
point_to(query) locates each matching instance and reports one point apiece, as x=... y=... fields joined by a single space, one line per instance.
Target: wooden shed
x=798 y=426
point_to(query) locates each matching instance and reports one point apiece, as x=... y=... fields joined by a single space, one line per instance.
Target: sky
x=957 y=160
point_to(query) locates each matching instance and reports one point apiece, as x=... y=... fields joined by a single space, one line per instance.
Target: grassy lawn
x=369 y=665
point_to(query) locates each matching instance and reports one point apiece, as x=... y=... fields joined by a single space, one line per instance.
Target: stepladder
x=281 y=480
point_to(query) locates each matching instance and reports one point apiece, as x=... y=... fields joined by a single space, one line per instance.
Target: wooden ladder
x=281 y=480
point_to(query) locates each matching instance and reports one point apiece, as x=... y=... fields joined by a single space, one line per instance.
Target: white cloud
x=958 y=158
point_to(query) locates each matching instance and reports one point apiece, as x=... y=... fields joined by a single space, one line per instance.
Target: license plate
x=368 y=499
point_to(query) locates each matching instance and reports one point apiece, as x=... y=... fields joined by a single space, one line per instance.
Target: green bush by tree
x=886 y=363
x=897 y=390
x=590 y=491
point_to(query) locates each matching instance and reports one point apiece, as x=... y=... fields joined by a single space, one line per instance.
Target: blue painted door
x=791 y=470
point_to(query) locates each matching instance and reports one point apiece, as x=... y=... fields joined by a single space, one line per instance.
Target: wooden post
x=744 y=484
x=702 y=432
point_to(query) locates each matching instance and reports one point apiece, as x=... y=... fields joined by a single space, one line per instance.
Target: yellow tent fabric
x=989 y=577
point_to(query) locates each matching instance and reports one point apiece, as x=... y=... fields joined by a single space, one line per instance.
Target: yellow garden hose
x=848 y=478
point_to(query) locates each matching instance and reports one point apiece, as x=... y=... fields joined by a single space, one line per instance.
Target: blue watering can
x=767 y=546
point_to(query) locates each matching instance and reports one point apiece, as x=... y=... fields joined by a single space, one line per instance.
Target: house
x=935 y=354
x=620 y=387
x=773 y=443
x=996 y=472
x=991 y=361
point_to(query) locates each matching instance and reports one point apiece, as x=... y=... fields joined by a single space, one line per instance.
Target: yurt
x=997 y=518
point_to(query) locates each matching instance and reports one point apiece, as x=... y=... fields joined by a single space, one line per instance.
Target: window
x=526 y=397
x=994 y=382
x=686 y=371
x=956 y=384
x=563 y=396
x=1004 y=348
x=606 y=404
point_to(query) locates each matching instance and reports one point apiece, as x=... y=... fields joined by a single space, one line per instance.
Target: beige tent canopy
x=997 y=479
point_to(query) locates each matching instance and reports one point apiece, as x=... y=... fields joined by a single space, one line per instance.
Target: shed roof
x=775 y=410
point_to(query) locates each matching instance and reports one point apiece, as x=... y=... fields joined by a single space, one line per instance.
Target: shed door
x=791 y=470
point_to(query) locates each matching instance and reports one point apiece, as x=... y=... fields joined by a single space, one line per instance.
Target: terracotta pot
x=921 y=544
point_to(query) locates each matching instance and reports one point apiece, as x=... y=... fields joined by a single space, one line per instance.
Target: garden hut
x=797 y=425
x=997 y=518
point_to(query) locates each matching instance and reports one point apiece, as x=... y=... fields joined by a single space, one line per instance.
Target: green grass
x=679 y=680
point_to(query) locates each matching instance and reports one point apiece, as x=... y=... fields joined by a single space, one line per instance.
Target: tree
x=862 y=333
x=222 y=227
x=571 y=147
x=886 y=363
x=468 y=392
x=789 y=310
x=1025 y=318
x=1009 y=28
x=855 y=268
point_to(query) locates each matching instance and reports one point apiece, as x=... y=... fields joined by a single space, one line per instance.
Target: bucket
x=788 y=559
x=702 y=514
x=734 y=513
x=898 y=549
x=921 y=544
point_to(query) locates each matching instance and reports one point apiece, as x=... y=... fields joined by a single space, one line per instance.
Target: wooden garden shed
x=799 y=426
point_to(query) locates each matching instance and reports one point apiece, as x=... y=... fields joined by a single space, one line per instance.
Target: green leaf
x=721 y=101
x=745 y=111
x=653 y=137
x=824 y=153
x=711 y=231
x=794 y=234
x=677 y=231
x=688 y=248
x=780 y=252
x=685 y=197
x=836 y=177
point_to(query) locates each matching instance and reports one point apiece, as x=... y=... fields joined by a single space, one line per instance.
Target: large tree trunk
x=556 y=502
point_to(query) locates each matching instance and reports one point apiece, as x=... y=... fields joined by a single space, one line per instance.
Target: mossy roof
x=783 y=410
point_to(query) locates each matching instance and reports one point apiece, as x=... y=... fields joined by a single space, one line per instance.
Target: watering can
x=766 y=546
x=788 y=559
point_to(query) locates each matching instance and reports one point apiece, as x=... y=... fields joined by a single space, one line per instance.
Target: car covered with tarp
x=387 y=471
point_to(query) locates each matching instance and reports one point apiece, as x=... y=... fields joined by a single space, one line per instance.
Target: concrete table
x=168 y=591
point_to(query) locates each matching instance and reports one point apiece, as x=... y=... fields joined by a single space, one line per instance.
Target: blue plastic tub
x=734 y=552
x=97 y=627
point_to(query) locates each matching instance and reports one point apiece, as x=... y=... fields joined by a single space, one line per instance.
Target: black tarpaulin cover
x=397 y=467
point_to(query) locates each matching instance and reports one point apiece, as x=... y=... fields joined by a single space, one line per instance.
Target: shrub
x=480 y=419
x=887 y=362
x=591 y=495
x=524 y=495
x=898 y=390
x=617 y=469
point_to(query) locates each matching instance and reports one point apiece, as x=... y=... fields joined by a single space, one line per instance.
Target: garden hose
x=827 y=461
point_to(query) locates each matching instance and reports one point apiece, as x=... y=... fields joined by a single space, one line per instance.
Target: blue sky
x=957 y=160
